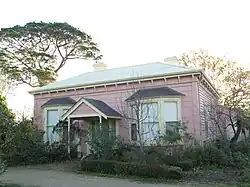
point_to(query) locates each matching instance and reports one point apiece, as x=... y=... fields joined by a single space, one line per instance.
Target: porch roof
x=98 y=106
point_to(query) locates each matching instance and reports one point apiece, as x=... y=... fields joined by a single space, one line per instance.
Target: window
x=171 y=118
x=159 y=117
x=52 y=120
x=133 y=132
x=149 y=121
x=53 y=115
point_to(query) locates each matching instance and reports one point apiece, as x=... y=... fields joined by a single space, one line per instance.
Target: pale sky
x=131 y=32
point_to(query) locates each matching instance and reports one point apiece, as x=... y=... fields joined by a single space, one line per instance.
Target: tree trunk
x=238 y=131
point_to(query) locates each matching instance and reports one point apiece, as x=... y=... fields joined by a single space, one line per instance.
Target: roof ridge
x=127 y=66
x=130 y=66
x=177 y=65
x=112 y=69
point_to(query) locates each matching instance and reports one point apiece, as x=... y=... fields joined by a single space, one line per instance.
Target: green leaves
x=34 y=53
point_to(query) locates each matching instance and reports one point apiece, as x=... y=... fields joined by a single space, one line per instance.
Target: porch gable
x=89 y=107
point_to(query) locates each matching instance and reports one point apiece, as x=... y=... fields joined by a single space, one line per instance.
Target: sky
x=131 y=32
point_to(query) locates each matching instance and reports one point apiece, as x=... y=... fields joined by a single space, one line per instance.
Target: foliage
x=24 y=145
x=7 y=122
x=219 y=154
x=174 y=135
x=106 y=148
x=185 y=165
x=2 y=167
x=233 y=85
x=34 y=53
x=136 y=169
x=6 y=84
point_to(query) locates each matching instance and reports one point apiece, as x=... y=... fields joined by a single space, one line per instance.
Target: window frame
x=178 y=105
x=60 y=109
x=161 y=119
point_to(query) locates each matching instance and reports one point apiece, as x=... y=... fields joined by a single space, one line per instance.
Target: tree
x=5 y=84
x=233 y=84
x=7 y=118
x=34 y=53
x=230 y=79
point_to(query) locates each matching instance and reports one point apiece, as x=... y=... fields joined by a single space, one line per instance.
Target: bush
x=24 y=145
x=136 y=169
x=185 y=165
x=55 y=152
x=2 y=167
x=129 y=156
x=170 y=160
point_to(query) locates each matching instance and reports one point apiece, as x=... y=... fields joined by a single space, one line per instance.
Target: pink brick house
x=176 y=93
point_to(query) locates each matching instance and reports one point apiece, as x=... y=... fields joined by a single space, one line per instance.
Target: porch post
x=68 y=135
x=100 y=122
x=100 y=119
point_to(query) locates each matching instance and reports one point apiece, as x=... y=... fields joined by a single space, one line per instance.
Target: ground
x=55 y=178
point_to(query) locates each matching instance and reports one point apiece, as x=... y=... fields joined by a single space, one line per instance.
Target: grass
x=130 y=177
x=14 y=185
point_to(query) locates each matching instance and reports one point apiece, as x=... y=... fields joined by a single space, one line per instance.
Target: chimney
x=171 y=60
x=98 y=66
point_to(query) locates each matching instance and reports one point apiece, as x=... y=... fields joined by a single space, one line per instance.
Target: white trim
x=100 y=119
x=83 y=115
x=59 y=108
x=187 y=73
x=117 y=128
x=69 y=136
x=114 y=117
x=82 y=100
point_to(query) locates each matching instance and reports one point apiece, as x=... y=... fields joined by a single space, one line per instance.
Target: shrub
x=59 y=152
x=24 y=145
x=170 y=160
x=185 y=165
x=2 y=167
x=136 y=169
x=240 y=160
x=129 y=156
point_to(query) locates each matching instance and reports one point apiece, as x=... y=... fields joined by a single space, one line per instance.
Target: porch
x=89 y=120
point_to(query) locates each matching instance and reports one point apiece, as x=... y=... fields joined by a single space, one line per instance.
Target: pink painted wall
x=114 y=96
x=83 y=109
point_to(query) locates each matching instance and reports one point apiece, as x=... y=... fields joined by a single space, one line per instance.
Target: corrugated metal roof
x=154 y=92
x=118 y=74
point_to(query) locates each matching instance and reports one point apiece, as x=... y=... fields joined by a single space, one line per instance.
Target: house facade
x=170 y=93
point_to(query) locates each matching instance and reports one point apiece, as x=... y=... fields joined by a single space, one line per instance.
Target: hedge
x=55 y=152
x=135 y=169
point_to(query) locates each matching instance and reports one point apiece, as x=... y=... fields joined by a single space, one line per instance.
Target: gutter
x=79 y=86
